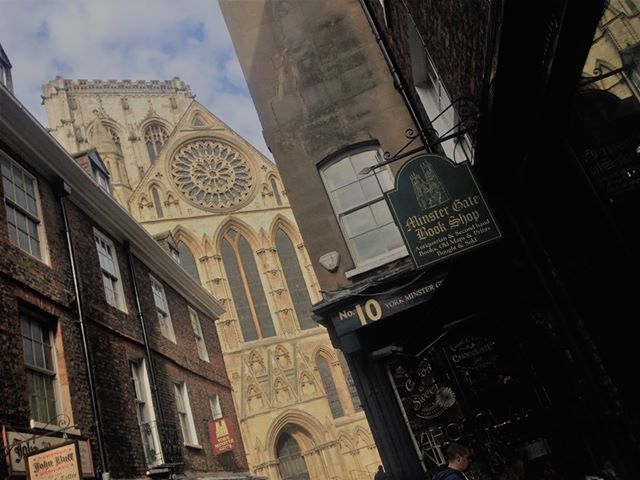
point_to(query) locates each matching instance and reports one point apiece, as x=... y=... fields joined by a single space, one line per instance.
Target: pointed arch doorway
x=291 y=464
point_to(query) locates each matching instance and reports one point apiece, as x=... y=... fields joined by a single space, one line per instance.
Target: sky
x=128 y=39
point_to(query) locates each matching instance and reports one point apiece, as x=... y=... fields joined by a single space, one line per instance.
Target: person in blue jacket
x=458 y=461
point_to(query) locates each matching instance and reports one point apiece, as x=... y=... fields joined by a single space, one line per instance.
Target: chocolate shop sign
x=440 y=210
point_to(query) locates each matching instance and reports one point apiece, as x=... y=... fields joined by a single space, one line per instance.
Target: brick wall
x=454 y=32
x=115 y=337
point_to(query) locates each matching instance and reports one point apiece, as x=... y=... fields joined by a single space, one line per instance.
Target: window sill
x=194 y=446
x=378 y=262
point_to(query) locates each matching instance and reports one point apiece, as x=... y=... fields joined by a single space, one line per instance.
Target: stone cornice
x=127 y=86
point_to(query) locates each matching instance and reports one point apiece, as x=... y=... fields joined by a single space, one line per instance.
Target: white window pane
x=348 y=197
x=358 y=222
x=385 y=178
x=377 y=242
x=364 y=160
x=371 y=187
x=216 y=411
x=368 y=245
x=391 y=237
x=339 y=174
x=381 y=212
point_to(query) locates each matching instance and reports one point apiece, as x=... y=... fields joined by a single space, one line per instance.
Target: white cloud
x=128 y=39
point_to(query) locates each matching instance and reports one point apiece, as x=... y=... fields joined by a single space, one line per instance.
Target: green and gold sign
x=439 y=208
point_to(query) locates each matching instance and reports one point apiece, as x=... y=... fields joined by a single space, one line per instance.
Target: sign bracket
x=468 y=113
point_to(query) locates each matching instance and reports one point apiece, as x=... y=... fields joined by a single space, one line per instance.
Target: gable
x=207 y=165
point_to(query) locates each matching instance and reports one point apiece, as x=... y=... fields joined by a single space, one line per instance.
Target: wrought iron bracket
x=468 y=113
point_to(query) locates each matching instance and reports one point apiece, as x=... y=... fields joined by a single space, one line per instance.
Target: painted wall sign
x=222 y=434
x=440 y=210
x=61 y=462
x=23 y=444
x=375 y=307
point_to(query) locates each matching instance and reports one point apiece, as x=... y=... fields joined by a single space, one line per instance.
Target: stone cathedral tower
x=219 y=205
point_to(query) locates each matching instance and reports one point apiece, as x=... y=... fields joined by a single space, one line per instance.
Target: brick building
x=517 y=348
x=103 y=337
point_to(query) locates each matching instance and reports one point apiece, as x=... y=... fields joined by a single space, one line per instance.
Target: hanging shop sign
x=440 y=210
x=222 y=434
x=375 y=307
x=61 y=462
x=21 y=443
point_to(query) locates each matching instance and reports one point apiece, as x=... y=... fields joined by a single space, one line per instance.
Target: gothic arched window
x=295 y=280
x=291 y=464
x=351 y=385
x=115 y=138
x=324 y=369
x=156 y=202
x=276 y=194
x=154 y=137
x=246 y=288
x=188 y=261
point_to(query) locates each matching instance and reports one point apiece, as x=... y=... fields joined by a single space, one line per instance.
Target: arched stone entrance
x=291 y=464
x=299 y=449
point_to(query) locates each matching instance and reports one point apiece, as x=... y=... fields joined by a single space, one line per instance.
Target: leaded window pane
x=238 y=292
x=155 y=136
x=188 y=261
x=276 y=193
x=156 y=203
x=255 y=289
x=351 y=385
x=295 y=280
x=329 y=387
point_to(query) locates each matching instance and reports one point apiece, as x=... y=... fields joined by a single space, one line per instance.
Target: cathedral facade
x=220 y=208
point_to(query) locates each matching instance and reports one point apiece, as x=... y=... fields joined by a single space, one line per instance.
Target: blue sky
x=128 y=39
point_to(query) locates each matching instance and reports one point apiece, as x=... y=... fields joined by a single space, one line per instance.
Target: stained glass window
x=246 y=288
x=188 y=261
x=154 y=136
x=156 y=202
x=295 y=280
x=324 y=369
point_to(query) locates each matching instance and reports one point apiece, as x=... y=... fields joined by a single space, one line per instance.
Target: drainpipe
x=145 y=338
x=64 y=190
x=397 y=81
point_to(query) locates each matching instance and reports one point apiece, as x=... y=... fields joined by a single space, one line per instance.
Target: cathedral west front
x=219 y=208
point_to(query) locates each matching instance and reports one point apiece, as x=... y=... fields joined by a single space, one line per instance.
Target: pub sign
x=222 y=434
x=439 y=209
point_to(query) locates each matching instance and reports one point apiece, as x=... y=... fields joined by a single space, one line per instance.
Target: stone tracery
x=212 y=175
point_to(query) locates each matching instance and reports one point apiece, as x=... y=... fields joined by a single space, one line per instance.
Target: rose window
x=212 y=175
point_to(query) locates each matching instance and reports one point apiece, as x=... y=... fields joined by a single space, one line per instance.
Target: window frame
x=365 y=264
x=190 y=436
x=164 y=317
x=140 y=381
x=118 y=291
x=52 y=373
x=30 y=217
x=196 y=325
x=216 y=408
x=434 y=97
